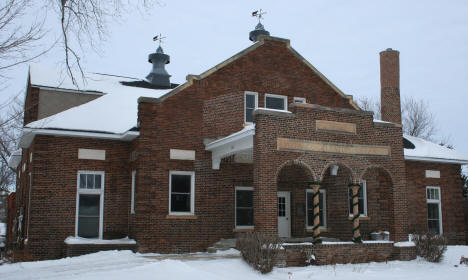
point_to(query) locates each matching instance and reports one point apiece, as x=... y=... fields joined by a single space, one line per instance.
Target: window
x=277 y=102
x=132 y=203
x=434 y=211
x=362 y=196
x=299 y=100
x=322 y=208
x=90 y=200
x=244 y=207
x=250 y=104
x=182 y=187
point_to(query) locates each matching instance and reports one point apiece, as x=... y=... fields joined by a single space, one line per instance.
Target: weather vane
x=159 y=38
x=258 y=14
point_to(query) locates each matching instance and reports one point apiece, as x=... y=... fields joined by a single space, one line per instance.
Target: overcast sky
x=342 y=39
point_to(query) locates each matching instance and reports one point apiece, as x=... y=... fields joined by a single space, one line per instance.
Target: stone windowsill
x=243 y=230
x=182 y=217
x=361 y=218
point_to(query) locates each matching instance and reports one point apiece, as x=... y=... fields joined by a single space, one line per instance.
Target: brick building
x=260 y=142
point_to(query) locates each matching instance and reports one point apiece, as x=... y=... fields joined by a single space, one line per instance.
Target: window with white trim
x=299 y=100
x=132 y=203
x=89 y=204
x=362 y=196
x=182 y=192
x=434 y=210
x=244 y=207
x=277 y=102
x=322 y=208
x=250 y=104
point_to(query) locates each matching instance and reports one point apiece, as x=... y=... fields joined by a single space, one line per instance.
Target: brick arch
x=375 y=166
x=380 y=200
x=309 y=172
x=341 y=165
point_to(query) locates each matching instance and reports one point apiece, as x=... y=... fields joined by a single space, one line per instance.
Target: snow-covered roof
x=115 y=111
x=427 y=151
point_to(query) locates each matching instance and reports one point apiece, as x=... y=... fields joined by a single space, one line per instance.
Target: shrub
x=430 y=246
x=260 y=250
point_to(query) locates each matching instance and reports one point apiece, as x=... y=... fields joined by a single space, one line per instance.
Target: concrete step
x=222 y=245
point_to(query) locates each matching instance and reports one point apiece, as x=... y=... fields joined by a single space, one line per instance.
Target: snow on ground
x=125 y=265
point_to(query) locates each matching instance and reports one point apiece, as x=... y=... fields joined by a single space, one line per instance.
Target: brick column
x=264 y=178
x=316 y=188
x=356 y=232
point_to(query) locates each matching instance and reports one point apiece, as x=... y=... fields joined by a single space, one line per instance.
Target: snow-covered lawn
x=129 y=266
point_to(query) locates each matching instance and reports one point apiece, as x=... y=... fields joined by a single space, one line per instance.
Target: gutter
x=441 y=160
x=28 y=134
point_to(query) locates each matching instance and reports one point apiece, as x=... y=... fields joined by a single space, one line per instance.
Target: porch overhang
x=239 y=144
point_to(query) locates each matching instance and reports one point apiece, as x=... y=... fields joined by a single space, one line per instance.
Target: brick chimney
x=390 y=86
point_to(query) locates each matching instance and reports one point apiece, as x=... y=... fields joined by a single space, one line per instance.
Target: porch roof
x=239 y=143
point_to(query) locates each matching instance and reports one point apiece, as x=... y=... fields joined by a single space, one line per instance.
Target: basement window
x=362 y=196
x=244 y=208
x=89 y=204
x=322 y=208
x=276 y=102
x=182 y=192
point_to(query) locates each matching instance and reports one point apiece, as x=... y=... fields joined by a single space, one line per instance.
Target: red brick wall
x=451 y=194
x=31 y=104
x=53 y=197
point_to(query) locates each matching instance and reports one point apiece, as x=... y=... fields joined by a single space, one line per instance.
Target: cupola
x=158 y=76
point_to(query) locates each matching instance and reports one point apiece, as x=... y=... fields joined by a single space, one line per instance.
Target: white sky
x=340 y=38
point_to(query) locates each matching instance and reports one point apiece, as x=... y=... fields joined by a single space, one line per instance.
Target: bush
x=260 y=250
x=430 y=246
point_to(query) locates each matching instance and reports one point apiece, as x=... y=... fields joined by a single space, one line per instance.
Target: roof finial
x=160 y=39
x=258 y=14
x=259 y=29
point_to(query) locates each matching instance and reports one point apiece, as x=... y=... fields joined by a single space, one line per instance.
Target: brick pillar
x=390 y=86
x=264 y=178
x=316 y=188
x=356 y=231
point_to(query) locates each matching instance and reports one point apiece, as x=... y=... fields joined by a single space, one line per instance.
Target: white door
x=284 y=214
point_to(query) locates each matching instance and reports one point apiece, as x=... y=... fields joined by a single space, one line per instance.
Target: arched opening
x=379 y=206
x=337 y=225
x=292 y=182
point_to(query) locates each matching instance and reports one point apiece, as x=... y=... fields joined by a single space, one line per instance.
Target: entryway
x=284 y=214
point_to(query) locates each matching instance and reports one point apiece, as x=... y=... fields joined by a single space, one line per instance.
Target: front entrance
x=284 y=214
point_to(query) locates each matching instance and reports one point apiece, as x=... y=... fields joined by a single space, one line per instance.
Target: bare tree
x=417 y=119
x=369 y=104
x=10 y=127
x=18 y=43
x=84 y=23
